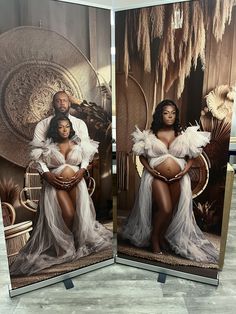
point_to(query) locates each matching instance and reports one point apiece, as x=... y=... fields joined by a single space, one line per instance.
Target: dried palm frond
x=220 y=135
x=214 y=117
x=220 y=101
x=96 y=118
x=9 y=191
x=219 y=129
x=205 y=207
x=206 y=214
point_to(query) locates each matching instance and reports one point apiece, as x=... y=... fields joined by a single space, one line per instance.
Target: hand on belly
x=168 y=168
x=67 y=173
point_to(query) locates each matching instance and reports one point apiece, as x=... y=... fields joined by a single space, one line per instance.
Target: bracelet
x=86 y=172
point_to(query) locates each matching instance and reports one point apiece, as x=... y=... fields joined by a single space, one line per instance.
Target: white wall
x=71 y=21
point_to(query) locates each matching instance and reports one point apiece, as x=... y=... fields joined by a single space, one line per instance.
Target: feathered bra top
x=48 y=151
x=189 y=143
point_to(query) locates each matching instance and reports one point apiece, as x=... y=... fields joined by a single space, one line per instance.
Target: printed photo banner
x=175 y=87
x=55 y=147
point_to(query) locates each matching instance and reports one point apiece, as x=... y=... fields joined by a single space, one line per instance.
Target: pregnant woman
x=66 y=228
x=162 y=213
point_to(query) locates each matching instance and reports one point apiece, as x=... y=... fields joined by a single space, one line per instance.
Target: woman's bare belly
x=168 y=168
x=67 y=173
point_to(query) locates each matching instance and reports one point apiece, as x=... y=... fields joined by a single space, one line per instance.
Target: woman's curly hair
x=53 y=128
x=158 y=123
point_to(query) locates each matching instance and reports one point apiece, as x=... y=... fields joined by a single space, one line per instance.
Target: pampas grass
x=178 y=49
x=9 y=191
x=198 y=34
x=186 y=17
x=143 y=39
x=222 y=16
x=157 y=14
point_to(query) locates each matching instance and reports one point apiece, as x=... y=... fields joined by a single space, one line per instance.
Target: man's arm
x=39 y=137
x=81 y=131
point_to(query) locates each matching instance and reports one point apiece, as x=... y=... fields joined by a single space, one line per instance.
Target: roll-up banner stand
x=173 y=183
x=175 y=87
x=55 y=147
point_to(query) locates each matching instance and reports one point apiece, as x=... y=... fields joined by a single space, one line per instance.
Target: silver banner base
x=167 y=271
x=51 y=281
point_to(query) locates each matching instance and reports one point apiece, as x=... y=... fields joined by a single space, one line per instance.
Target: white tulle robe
x=183 y=233
x=52 y=242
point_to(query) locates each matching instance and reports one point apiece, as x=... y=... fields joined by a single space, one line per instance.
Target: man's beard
x=66 y=112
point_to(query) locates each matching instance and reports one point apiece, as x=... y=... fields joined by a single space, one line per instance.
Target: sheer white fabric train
x=52 y=242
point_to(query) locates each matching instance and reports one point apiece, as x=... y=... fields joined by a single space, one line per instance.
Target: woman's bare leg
x=67 y=199
x=174 y=189
x=162 y=212
x=175 y=193
x=67 y=207
x=73 y=195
